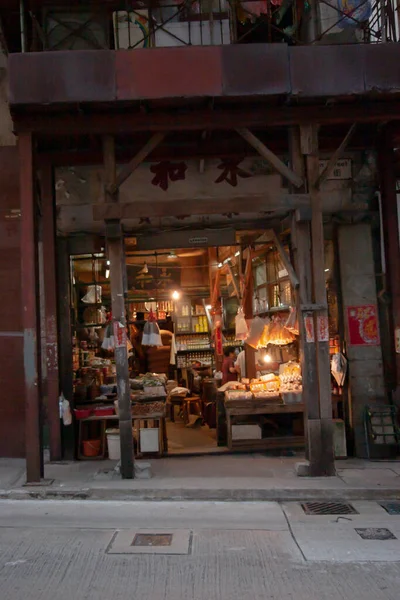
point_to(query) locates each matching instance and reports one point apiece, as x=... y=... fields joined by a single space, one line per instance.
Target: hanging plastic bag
x=256 y=330
x=292 y=323
x=278 y=334
x=354 y=12
x=264 y=339
x=241 y=329
x=109 y=339
x=151 y=332
x=339 y=368
x=65 y=410
x=93 y=295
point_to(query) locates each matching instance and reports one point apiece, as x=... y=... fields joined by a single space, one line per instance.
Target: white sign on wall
x=341 y=170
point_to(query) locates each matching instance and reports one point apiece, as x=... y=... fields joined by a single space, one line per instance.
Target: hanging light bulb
x=107 y=273
x=175 y=295
x=267 y=358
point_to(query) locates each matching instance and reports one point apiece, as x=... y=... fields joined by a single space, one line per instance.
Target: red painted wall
x=12 y=422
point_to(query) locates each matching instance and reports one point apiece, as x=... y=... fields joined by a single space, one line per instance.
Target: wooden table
x=158 y=418
x=245 y=408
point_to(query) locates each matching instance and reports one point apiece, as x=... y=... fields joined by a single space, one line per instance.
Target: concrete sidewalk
x=226 y=477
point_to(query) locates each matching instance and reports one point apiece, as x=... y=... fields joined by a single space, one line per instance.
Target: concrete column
x=366 y=379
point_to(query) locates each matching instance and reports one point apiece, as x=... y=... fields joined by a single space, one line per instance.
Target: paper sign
x=309 y=328
x=323 y=329
x=119 y=335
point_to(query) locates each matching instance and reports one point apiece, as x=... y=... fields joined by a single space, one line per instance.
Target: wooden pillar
x=29 y=291
x=390 y=221
x=50 y=300
x=116 y=257
x=308 y=250
x=65 y=366
x=320 y=430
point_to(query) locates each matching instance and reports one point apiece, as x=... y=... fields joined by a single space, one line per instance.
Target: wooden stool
x=175 y=401
x=191 y=406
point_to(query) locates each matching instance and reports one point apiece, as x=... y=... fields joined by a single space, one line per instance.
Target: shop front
x=216 y=335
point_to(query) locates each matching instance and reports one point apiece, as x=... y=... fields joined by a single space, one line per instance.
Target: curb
x=231 y=495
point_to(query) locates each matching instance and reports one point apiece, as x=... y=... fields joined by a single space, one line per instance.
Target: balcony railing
x=166 y=23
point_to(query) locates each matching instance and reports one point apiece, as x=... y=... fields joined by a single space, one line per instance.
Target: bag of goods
x=241 y=329
x=93 y=295
x=255 y=333
x=151 y=332
x=232 y=385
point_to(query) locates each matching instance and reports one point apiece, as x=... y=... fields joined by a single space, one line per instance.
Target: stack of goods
x=150 y=408
x=265 y=387
x=238 y=395
x=291 y=382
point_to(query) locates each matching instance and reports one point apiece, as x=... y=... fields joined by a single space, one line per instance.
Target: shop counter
x=236 y=409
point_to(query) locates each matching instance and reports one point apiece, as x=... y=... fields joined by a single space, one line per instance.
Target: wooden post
x=116 y=255
x=390 y=221
x=301 y=249
x=51 y=326
x=320 y=427
x=65 y=339
x=29 y=310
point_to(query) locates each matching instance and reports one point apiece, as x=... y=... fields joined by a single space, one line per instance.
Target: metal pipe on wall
x=22 y=25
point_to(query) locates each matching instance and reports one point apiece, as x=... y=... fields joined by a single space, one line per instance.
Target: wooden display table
x=248 y=408
x=157 y=419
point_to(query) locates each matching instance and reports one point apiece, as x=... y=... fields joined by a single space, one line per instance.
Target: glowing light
x=107 y=273
x=267 y=358
x=175 y=295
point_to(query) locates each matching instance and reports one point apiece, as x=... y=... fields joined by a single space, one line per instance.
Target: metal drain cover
x=328 y=508
x=393 y=508
x=152 y=539
x=374 y=533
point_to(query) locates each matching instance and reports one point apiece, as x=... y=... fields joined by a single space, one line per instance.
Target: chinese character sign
x=363 y=325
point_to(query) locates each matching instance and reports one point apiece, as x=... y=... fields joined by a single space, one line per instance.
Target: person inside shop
x=229 y=372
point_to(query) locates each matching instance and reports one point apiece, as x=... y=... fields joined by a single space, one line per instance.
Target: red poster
x=309 y=327
x=119 y=335
x=363 y=325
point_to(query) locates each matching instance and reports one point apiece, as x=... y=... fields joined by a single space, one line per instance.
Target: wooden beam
x=30 y=319
x=335 y=156
x=51 y=317
x=116 y=256
x=286 y=260
x=178 y=208
x=128 y=169
x=234 y=282
x=69 y=123
x=270 y=157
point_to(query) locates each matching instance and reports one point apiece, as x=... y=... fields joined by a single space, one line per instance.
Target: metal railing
x=166 y=23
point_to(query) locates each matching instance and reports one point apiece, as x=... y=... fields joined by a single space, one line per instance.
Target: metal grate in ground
x=328 y=508
x=376 y=533
x=152 y=539
x=392 y=508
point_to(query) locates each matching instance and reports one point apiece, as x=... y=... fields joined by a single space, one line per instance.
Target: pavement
x=95 y=550
x=247 y=477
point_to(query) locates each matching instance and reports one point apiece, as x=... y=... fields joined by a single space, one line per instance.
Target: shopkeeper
x=229 y=372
